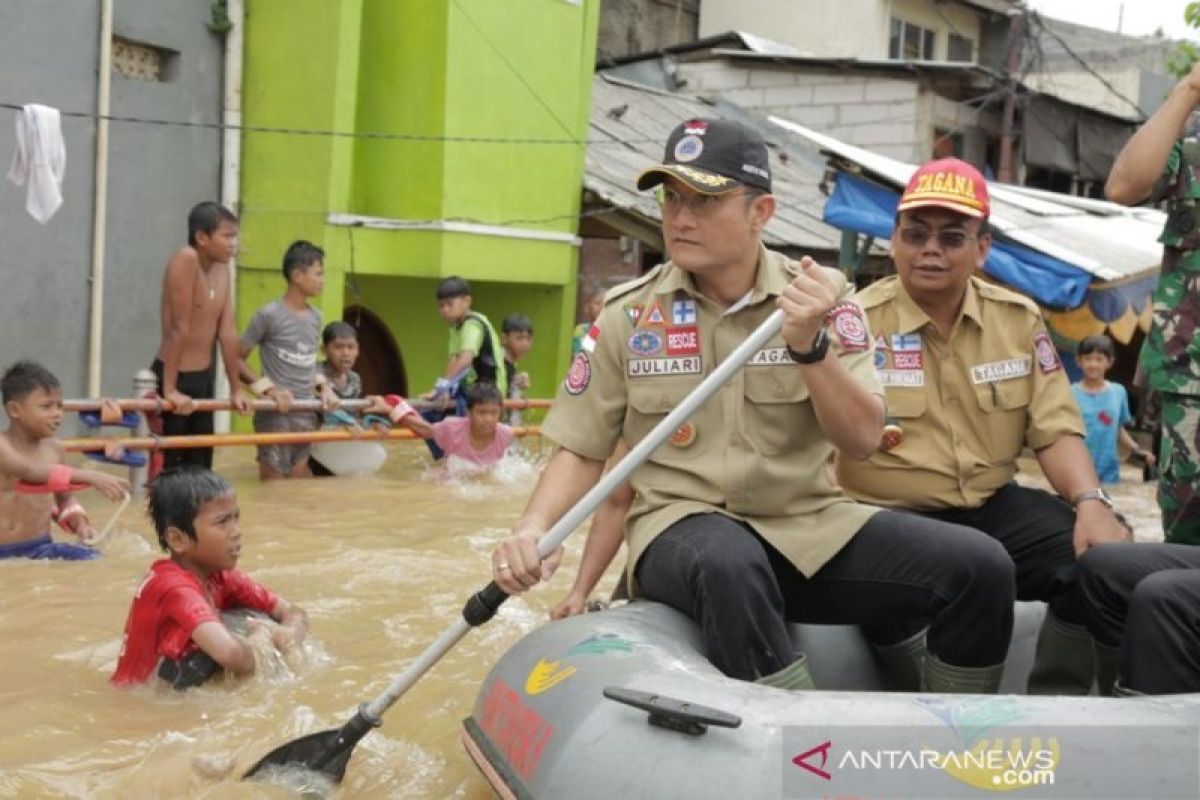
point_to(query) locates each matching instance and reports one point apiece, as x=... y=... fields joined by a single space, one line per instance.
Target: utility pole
x=1016 y=41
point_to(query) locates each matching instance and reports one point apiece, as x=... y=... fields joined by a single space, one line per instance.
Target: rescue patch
x=579 y=375
x=769 y=357
x=647 y=367
x=848 y=324
x=683 y=312
x=688 y=148
x=1000 y=370
x=633 y=312
x=645 y=342
x=653 y=315
x=906 y=342
x=684 y=435
x=683 y=341
x=1047 y=355
x=901 y=377
x=907 y=360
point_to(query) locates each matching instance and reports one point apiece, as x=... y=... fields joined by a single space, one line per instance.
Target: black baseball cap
x=712 y=156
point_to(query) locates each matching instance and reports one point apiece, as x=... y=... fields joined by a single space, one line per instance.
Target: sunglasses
x=700 y=205
x=947 y=239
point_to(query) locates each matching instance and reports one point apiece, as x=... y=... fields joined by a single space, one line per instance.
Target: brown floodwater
x=382 y=564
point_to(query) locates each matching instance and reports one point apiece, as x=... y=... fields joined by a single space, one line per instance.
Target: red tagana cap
x=947 y=183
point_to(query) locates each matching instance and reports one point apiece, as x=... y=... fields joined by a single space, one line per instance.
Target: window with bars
x=911 y=42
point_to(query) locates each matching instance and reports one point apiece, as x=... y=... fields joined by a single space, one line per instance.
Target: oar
x=329 y=751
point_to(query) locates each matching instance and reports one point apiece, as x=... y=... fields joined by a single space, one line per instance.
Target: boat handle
x=672 y=713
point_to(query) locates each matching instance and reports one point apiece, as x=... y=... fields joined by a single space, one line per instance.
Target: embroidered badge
x=695 y=127
x=645 y=342
x=893 y=435
x=849 y=326
x=1000 y=370
x=1047 y=356
x=683 y=341
x=769 y=356
x=684 y=435
x=683 y=312
x=633 y=312
x=653 y=315
x=579 y=375
x=880 y=359
x=647 y=367
x=881 y=343
x=901 y=377
x=906 y=360
x=688 y=148
x=906 y=342
x=588 y=344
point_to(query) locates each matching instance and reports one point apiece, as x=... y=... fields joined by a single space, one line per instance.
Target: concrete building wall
x=870 y=111
x=156 y=173
x=638 y=26
x=820 y=29
x=1084 y=88
x=942 y=18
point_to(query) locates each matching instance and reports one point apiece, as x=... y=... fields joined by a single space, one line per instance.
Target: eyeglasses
x=946 y=239
x=700 y=205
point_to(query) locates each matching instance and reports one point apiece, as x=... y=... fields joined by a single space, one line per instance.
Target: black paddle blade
x=326 y=753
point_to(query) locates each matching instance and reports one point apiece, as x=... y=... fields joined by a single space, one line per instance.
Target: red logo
x=849 y=325
x=802 y=760
x=903 y=360
x=1105 y=418
x=683 y=341
x=519 y=732
x=1047 y=355
x=579 y=375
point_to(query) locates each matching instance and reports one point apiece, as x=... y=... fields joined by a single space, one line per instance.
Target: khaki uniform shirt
x=967 y=404
x=753 y=451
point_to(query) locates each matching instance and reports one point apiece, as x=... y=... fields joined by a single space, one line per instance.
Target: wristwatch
x=1093 y=494
x=816 y=353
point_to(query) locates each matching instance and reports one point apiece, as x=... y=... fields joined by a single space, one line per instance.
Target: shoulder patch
x=620 y=290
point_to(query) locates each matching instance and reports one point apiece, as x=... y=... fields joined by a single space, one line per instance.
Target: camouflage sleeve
x=1170 y=174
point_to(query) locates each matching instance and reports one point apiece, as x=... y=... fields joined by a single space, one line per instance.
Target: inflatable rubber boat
x=622 y=704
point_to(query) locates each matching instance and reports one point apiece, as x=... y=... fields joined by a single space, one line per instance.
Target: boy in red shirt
x=175 y=624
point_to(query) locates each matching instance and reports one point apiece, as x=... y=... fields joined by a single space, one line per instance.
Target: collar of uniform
x=910 y=316
x=768 y=282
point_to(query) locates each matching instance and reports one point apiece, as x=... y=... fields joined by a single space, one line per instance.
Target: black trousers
x=198 y=384
x=1145 y=598
x=742 y=592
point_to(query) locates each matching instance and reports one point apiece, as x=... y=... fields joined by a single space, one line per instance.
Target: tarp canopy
x=866 y=207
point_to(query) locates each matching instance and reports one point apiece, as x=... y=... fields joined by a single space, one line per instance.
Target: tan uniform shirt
x=967 y=404
x=753 y=451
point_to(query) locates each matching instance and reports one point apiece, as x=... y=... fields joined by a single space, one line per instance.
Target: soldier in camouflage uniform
x=1158 y=164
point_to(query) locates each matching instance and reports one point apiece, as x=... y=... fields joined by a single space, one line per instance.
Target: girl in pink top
x=479 y=437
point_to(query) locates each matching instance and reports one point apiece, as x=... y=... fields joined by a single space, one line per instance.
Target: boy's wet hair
x=453 y=286
x=206 y=217
x=25 y=377
x=177 y=495
x=338 y=330
x=300 y=255
x=1097 y=344
x=483 y=392
x=517 y=323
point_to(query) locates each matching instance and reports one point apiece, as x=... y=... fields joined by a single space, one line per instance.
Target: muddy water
x=382 y=564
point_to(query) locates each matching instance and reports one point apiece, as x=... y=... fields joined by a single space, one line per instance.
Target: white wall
x=846 y=28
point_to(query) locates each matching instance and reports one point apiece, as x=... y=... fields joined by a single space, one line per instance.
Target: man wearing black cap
x=736 y=522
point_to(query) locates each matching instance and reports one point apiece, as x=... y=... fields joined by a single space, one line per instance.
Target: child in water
x=479 y=438
x=35 y=486
x=175 y=623
x=1105 y=408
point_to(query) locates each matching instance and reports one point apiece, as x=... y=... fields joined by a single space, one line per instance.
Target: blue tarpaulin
x=865 y=207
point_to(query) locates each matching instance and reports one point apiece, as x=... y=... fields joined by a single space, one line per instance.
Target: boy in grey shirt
x=287 y=331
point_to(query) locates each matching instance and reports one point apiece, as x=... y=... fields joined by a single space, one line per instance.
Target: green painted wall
x=431 y=74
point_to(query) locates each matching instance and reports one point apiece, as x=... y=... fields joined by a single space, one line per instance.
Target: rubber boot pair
x=1064 y=662
x=794 y=677
x=942 y=678
x=1106 y=669
x=901 y=664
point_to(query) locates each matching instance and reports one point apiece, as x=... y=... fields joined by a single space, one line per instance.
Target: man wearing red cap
x=736 y=521
x=972 y=378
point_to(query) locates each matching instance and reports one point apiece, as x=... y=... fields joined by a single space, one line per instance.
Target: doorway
x=380 y=363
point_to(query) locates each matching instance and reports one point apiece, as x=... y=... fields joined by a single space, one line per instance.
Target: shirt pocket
x=905 y=404
x=650 y=401
x=775 y=423
x=1005 y=407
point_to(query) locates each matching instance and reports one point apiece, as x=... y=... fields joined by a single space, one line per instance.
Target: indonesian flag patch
x=846 y=320
x=588 y=343
x=1047 y=355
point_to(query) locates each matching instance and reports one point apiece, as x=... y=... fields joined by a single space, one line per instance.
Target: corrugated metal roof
x=630 y=123
x=1110 y=241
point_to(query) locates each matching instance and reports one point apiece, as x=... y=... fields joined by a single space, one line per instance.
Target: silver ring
x=503 y=567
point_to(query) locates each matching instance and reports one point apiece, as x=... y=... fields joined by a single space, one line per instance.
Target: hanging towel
x=40 y=160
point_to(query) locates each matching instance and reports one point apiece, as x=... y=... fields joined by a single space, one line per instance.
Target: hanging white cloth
x=40 y=160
